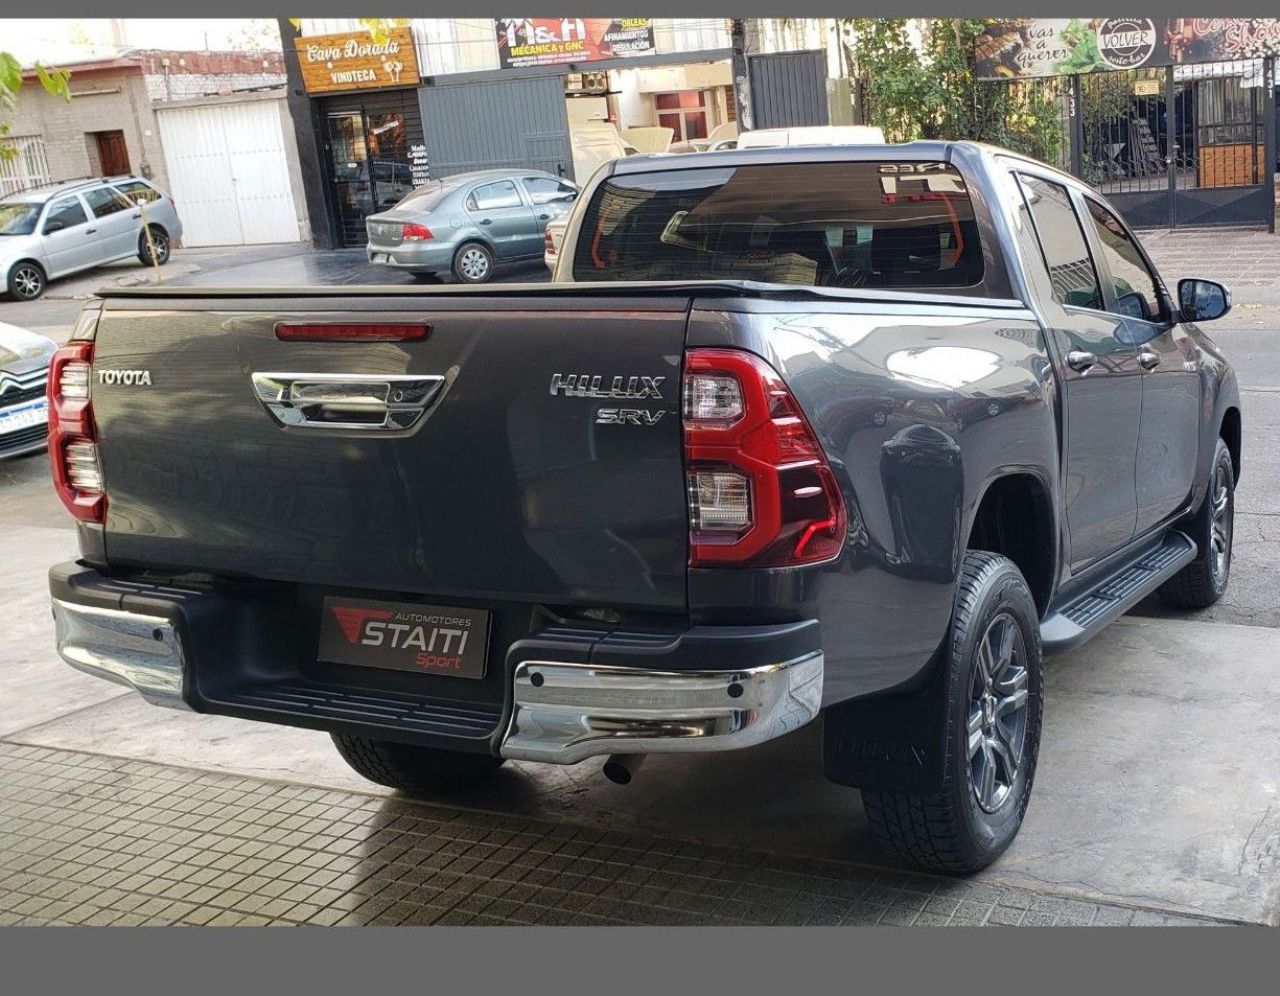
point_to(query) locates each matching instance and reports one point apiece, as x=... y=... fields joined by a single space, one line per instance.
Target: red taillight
x=415 y=233
x=761 y=492
x=548 y=243
x=73 y=436
x=300 y=332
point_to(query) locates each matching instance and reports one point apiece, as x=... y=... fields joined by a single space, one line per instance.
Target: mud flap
x=892 y=742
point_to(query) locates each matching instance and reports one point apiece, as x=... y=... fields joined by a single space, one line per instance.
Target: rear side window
x=1066 y=254
x=139 y=191
x=103 y=201
x=65 y=213
x=494 y=195
x=863 y=224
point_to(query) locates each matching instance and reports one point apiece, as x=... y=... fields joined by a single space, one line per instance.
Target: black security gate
x=789 y=89
x=1192 y=145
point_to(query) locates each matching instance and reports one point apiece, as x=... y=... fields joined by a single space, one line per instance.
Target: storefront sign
x=419 y=165
x=556 y=41
x=357 y=61
x=1024 y=47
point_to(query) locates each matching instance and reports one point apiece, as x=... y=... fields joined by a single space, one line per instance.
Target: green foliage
x=55 y=81
x=933 y=94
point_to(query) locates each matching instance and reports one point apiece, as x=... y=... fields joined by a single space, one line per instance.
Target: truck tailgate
x=514 y=483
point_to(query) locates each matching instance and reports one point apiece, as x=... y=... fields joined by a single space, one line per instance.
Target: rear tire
x=160 y=238
x=473 y=263
x=413 y=769
x=993 y=715
x=26 y=280
x=1203 y=581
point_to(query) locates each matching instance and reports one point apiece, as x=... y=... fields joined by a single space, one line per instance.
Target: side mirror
x=54 y=226
x=1202 y=300
x=1132 y=306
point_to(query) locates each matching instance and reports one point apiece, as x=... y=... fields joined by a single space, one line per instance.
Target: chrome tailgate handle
x=346 y=401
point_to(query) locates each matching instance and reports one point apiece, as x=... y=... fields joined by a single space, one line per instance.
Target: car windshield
x=834 y=224
x=424 y=198
x=18 y=217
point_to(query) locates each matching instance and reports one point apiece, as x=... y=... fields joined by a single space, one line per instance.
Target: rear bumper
x=567 y=694
x=565 y=713
x=425 y=256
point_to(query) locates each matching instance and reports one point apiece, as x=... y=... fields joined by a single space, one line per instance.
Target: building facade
x=442 y=96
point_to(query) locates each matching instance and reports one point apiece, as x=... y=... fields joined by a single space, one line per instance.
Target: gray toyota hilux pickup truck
x=854 y=433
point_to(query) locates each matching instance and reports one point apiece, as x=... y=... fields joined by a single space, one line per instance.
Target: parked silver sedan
x=469 y=223
x=24 y=369
x=60 y=229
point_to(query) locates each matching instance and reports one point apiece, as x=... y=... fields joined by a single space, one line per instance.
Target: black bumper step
x=1088 y=614
x=310 y=704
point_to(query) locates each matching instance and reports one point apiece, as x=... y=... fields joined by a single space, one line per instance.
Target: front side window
x=842 y=224
x=545 y=189
x=66 y=213
x=1136 y=291
x=104 y=201
x=1062 y=242
x=494 y=195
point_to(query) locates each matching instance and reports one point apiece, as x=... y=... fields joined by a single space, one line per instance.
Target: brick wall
x=106 y=101
x=199 y=74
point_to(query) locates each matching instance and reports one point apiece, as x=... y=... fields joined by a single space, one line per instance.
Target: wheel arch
x=1014 y=518
x=1231 y=432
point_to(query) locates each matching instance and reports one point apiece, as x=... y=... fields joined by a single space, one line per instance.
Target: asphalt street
x=1156 y=792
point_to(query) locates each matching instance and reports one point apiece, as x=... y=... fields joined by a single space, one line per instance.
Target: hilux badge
x=619 y=388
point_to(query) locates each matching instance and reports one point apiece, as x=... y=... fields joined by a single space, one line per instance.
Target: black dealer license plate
x=405 y=636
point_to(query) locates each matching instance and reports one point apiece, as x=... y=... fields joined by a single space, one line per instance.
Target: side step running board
x=1089 y=613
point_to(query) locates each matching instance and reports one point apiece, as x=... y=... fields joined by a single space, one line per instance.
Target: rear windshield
x=424 y=198
x=864 y=224
x=18 y=217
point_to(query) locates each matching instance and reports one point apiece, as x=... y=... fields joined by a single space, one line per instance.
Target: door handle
x=1080 y=361
x=136 y=216
x=346 y=401
x=90 y=231
x=544 y=217
x=1148 y=359
x=486 y=221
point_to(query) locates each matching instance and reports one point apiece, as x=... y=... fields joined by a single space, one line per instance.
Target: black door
x=1101 y=380
x=1169 y=433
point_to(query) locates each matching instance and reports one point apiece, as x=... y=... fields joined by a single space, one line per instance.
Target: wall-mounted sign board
x=357 y=61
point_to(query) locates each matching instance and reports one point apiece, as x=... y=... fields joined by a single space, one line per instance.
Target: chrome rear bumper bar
x=139 y=651
x=564 y=713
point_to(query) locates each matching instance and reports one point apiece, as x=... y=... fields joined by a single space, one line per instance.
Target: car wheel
x=26 y=281
x=1203 y=581
x=160 y=239
x=473 y=263
x=992 y=739
x=413 y=769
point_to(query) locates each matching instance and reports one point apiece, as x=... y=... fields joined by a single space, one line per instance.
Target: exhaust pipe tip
x=621 y=768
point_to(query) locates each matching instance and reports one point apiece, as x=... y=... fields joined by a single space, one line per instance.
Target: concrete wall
x=101 y=101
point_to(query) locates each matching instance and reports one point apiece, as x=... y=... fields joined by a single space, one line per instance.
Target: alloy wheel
x=28 y=282
x=161 y=243
x=1222 y=523
x=474 y=264
x=997 y=727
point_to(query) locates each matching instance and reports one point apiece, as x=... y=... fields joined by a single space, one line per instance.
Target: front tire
x=1203 y=581
x=412 y=769
x=27 y=281
x=993 y=716
x=473 y=263
x=160 y=239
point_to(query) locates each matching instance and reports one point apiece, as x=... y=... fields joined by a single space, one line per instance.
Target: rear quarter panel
x=919 y=411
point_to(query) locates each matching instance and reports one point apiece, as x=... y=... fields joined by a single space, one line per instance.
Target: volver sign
x=357 y=61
